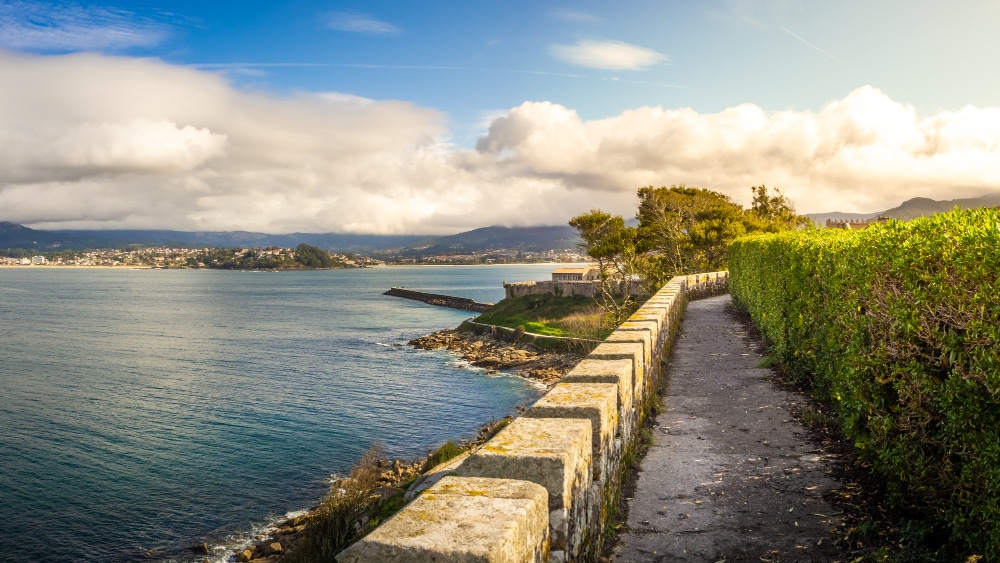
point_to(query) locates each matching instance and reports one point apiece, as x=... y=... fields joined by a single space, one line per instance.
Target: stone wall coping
x=644 y=337
x=617 y=372
x=463 y=519
x=624 y=351
x=597 y=402
x=555 y=453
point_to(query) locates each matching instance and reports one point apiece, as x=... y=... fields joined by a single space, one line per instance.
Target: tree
x=685 y=229
x=776 y=211
x=612 y=245
x=313 y=257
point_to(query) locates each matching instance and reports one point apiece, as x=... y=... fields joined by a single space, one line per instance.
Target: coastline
x=542 y=367
x=545 y=367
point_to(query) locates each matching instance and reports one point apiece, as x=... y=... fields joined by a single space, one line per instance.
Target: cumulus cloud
x=92 y=141
x=51 y=27
x=360 y=23
x=865 y=152
x=609 y=55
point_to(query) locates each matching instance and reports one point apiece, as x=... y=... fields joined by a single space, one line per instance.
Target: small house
x=585 y=273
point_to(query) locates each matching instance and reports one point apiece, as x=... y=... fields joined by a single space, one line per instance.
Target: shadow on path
x=731 y=476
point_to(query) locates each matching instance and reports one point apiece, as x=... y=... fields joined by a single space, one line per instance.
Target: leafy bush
x=898 y=328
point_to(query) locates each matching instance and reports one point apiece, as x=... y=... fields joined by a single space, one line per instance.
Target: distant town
x=267 y=258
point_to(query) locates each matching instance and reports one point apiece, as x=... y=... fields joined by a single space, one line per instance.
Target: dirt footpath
x=731 y=476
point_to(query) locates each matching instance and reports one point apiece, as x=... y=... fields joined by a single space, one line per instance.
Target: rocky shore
x=485 y=351
x=495 y=355
x=282 y=538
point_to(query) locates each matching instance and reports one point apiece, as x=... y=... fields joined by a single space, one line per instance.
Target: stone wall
x=562 y=288
x=542 y=489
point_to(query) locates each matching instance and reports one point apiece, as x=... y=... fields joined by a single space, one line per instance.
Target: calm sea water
x=142 y=412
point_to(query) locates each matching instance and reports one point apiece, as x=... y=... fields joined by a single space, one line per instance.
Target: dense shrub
x=898 y=327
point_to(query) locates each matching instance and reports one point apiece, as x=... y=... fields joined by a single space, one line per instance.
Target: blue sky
x=309 y=115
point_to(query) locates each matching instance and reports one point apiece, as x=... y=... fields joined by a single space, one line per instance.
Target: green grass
x=447 y=452
x=549 y=315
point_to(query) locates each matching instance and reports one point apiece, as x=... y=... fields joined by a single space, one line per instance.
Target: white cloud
x=90 y=141
x=137 y=145
x=51 y=27
x=360 y=23
x=865 y=152
x=609 y=55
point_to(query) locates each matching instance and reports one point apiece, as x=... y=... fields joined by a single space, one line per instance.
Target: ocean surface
x=146 y=411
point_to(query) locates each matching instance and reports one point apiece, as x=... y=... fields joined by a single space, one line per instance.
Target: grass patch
x=550 y=315
x=446 y=452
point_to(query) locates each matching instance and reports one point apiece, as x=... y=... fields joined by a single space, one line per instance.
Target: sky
x=436 y=117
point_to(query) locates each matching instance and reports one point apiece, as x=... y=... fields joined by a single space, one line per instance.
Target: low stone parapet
x=463 y=519
x=570 y=444
x=596 y=402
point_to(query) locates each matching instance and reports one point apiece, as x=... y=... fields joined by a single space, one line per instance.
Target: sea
x=143 y=412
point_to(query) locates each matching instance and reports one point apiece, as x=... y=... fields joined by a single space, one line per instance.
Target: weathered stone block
x=644 y=337
x=625 y=351
x=651 y=326
x=597 y=402
x=552 y=452
x=659 y=316
x=617 y=372
x=465 y=519
x=555 y=453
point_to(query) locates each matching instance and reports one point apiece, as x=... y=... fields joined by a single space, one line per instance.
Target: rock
x=488 y=361
x=244 y=556
x=200 y=548
x=272 y=548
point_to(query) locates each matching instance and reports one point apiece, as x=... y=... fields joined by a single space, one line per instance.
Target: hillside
x=913 y=208
x=524 y=239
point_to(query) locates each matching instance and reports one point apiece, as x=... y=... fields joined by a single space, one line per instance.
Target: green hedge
x=898 y=327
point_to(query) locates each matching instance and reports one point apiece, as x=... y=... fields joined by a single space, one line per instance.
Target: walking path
x=731 y=476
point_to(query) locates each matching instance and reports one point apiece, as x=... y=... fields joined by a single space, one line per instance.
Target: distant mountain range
x=530 y=239
x=524 y=239
x=913 y=208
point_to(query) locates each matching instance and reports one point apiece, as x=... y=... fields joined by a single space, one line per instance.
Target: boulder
x=200 y=548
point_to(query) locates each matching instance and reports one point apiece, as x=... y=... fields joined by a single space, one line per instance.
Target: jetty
x=449 y=301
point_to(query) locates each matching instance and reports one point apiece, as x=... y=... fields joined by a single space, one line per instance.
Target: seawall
x=542 y=489
x=440 y=300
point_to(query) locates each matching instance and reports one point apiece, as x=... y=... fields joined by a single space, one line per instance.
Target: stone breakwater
x=543 y=488
x=494 y=354
x=440 y=300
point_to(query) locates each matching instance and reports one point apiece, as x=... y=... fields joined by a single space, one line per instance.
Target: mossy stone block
x=463 y=519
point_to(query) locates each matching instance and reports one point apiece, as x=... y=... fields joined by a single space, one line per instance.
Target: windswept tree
x=685 y=229
x=612 y=245
x=775 y=211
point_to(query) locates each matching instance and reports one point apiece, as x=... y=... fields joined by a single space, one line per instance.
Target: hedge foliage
x=898 y=327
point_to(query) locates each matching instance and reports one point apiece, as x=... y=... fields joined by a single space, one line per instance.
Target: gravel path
x=731 y=476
